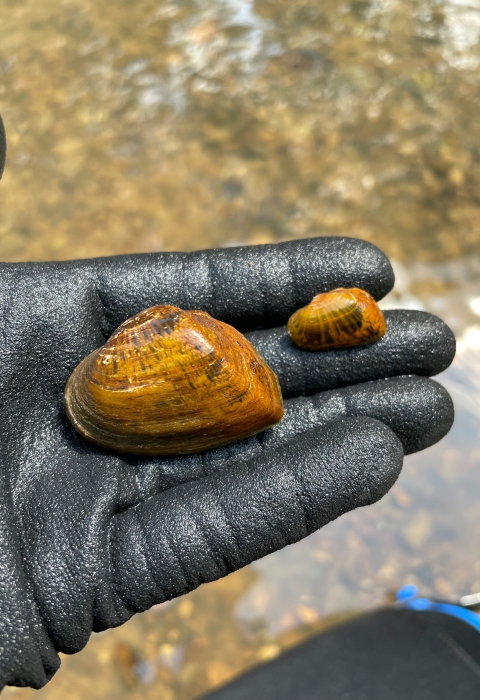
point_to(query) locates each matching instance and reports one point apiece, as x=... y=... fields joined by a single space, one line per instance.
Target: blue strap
x=406 y=598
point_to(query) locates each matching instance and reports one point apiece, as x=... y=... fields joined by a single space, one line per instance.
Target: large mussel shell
x=342 y=318
x=172 y=382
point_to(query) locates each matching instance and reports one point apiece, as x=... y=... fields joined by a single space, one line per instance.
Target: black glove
x=90 y=537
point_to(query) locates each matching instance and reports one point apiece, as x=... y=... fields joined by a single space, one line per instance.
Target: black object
x=3 y=147
x=386 y=655
x=89 y=537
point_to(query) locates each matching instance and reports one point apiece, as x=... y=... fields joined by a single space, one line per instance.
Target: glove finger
x=206 y=529
x=415 y=343
x=3 y=147
x=418 y=410
x=248 y=287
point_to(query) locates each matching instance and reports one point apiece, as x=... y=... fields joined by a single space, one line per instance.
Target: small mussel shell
x=341 y=318
x=171 y=382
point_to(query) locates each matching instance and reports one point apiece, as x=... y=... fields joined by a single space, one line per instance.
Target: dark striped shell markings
x=171 y=382
x=341 y=318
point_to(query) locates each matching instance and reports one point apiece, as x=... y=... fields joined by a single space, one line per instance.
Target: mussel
x=171 y=382
x=341 y=318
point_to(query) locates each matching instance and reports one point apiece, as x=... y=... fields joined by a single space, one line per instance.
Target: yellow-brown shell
x=172 y=382
x=341 y=318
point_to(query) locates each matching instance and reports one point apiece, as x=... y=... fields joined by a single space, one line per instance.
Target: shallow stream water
x=136 y=127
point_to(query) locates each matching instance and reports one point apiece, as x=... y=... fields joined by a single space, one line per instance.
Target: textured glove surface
x=89 y=537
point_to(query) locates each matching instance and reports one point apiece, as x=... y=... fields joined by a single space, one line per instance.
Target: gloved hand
x=89 y=537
